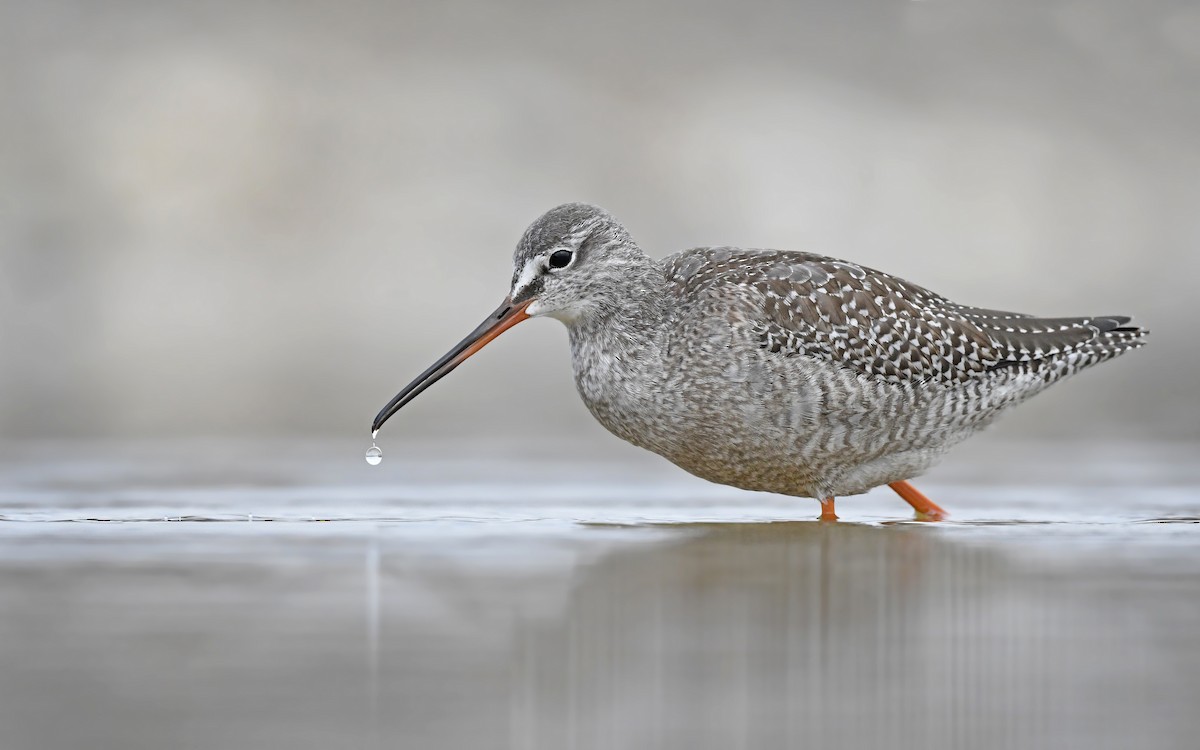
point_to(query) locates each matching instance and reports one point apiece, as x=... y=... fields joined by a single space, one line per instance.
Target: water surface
x=284 y=594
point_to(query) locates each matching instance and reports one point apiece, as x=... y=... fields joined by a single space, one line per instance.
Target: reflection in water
x=688 y=636
x=372 y=618
x=789 y=634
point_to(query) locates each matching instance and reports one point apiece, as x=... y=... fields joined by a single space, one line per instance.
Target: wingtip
x=1106 y=323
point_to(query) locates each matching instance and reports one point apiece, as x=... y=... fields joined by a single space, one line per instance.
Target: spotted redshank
x=773 y=370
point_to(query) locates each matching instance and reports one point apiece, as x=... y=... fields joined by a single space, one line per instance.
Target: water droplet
x=374 y=455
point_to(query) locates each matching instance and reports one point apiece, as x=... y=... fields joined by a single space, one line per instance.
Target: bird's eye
x=560 y=258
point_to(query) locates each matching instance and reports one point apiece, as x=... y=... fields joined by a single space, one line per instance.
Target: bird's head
x=574 y=259
x=571 y=262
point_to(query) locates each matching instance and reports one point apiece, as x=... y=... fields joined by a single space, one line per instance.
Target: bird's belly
x=818 y=477
x=830 y=458
x=829 y=439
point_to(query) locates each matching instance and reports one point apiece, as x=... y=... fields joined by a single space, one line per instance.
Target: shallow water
x=285 y=594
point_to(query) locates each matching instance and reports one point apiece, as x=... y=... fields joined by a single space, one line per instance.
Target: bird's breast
x=624 y=387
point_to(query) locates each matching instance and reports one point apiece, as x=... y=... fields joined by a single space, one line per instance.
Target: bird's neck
x=616 y=348
x=626 y=326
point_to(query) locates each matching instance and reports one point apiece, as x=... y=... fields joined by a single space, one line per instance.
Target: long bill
x=506 y=316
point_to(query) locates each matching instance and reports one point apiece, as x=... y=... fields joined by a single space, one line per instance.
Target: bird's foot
x=935 y=515
x=926 y=509
x=827 y=512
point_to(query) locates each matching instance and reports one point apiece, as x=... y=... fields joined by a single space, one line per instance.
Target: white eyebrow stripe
x=528 y=274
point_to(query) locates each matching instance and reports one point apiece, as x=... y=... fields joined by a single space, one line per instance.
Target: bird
x=773 y=370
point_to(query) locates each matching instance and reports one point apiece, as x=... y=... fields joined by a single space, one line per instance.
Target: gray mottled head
x=573 y=260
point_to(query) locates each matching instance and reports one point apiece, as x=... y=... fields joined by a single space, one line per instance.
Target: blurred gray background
x=263 y=218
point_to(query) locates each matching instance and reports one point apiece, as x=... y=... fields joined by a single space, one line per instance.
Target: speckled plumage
x=786 y=371
x=780 y=371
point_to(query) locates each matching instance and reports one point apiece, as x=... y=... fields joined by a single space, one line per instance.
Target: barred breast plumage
x=781 y=371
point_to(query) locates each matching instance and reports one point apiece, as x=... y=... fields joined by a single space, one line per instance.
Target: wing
x=877 y=324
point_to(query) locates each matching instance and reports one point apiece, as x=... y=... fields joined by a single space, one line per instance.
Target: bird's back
x=881 y=326
x=851 y=372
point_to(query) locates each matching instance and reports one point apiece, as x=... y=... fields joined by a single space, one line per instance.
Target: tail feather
x=1106 y=323
x=1081 y=341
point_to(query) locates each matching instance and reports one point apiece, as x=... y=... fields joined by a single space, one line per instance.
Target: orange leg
x=926 y=509
x=827 y=513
